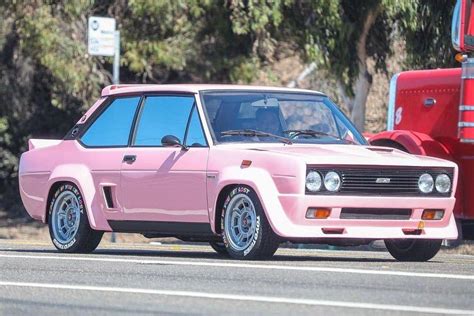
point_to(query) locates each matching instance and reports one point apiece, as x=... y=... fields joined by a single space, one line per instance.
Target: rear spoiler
x=41 y=143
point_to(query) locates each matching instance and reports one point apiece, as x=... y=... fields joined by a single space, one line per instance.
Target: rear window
x=112 y=127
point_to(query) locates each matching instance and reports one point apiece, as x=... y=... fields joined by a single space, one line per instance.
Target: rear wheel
x=413 y=249
x=68 y=223
x=246 y=231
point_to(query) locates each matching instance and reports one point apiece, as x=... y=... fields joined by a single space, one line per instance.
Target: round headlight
x=313 y=181
x=332 y=181
x=443 y=183
x=426 y=183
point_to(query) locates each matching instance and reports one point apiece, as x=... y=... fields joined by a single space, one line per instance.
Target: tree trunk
x=363 y=83
x=361 y=92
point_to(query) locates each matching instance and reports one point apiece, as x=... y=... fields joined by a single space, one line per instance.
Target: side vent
x=108 y=196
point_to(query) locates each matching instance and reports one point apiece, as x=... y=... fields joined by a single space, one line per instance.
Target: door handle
x=429 y=102
x=129 y=159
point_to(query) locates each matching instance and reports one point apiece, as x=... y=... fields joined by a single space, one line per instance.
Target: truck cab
x=431 y=113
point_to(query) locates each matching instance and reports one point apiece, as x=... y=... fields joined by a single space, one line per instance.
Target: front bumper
x=287 y=215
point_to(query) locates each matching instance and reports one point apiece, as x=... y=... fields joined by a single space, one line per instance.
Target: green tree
x=426 y=32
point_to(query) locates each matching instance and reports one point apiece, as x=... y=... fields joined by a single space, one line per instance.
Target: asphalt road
x=193 y=280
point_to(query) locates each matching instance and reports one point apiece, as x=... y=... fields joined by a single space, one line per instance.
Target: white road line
x=247 y=298
x=248 y=266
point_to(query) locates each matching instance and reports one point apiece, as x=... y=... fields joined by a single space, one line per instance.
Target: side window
x=112 y=127
x=161 y=116
x=195 y=136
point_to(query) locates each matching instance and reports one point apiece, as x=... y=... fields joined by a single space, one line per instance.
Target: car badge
x=382 y=180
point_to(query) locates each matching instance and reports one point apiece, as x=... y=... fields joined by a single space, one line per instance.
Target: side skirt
x=163 y=229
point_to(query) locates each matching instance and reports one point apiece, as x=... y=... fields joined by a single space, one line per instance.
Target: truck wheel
x=246 y=231
x=413 y=249
x=68 y=223
x=218 y=247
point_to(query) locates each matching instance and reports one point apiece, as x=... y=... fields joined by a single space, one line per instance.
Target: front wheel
x=68 y=223
x=218 y=247
x=246 y=231
x=413 y=249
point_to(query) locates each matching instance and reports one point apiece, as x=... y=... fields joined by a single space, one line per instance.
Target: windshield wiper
x=310 y=132
x=255 y=133
x=314 y=133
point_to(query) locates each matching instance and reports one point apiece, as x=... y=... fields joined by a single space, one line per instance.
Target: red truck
x=431 y=112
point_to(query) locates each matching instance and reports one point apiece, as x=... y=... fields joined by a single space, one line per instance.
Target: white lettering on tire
x=255 y=236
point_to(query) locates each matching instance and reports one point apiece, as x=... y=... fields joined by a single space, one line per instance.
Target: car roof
x=192 y=88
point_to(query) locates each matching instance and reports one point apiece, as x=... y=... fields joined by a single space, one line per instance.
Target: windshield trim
x=336 y=111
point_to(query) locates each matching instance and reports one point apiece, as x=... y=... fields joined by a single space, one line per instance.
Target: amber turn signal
x=432 y=214
x=460 y=57
x=318 y=212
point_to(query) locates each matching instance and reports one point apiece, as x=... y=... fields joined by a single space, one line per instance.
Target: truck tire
x=68 y=223
x=246 y=232
x=413 y=249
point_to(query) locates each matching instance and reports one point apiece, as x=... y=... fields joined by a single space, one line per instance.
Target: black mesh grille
x=387 y=181
x=376 y=213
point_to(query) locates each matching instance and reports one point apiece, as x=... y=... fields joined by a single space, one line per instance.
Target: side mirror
x=462 y=28
x=172 y=141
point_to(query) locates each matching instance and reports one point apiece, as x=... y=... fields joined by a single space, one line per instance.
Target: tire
x=69 y=227
x=219 y=247
x=413 y=249
x=243 y=217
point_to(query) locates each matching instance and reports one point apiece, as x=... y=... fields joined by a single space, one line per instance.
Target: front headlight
x=313 y=181
x=332 y=181
x=426 y=183
x=443 y=183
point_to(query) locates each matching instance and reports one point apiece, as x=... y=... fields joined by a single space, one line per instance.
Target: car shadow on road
x=337 y=256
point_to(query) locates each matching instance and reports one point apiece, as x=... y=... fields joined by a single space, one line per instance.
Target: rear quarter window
x=112 y=127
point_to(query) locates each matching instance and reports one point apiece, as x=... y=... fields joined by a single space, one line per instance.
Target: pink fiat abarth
x=244 y=168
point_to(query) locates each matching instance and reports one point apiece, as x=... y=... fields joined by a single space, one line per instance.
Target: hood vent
x=380 y=149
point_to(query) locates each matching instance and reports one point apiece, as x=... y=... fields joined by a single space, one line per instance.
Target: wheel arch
x=257 y=179
x=220 y=204
x=80 y=176
x=53 y=187
x=413 y=142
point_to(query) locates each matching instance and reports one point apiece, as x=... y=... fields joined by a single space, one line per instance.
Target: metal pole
x=116 y=74
x=116 y=80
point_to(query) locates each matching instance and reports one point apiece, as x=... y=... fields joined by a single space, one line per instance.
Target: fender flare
x=415 y=143
x=80 y=175
x=263 y=185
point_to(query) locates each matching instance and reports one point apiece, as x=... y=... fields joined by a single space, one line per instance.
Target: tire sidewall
x=260 y=220
x=72 y=245
x=418 y=250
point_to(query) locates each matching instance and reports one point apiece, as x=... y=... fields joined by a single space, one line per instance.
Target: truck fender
x=80 y=175
x=412 y=142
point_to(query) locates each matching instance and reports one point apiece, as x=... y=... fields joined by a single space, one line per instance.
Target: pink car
x=241 y=167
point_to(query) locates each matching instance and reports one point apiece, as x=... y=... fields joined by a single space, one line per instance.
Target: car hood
x=354 y=155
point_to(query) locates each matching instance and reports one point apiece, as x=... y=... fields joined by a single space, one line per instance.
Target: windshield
x=242 y=116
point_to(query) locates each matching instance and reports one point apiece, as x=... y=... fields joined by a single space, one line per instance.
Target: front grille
x=403 y=181
x=376 y=213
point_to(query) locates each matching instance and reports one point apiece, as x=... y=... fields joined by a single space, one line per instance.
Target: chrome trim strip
x=466 y=108
x=467 y=140
x=467 y=71
x=466 y=124
x=391 y=102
